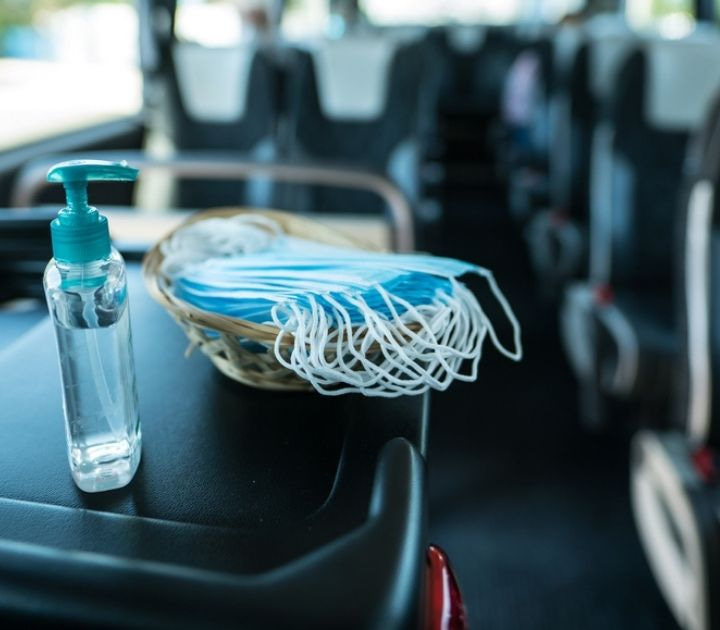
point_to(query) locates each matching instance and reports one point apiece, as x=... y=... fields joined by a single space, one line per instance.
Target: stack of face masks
x=349 y=321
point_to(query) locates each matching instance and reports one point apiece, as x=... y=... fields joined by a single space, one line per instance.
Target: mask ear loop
x=311 y=367
x=462 y=308
x=469 y=309
x=450 y=332
x=516 y=354
x=315 y=370
x=383 y=336
x=329 y=369
x=455 y=343
x=354 y=336
x=401 y=355
x=358 y=379
x=438 y=350
x=423 y=366
x=433 y=342
x=401 y=362
x=215 y=237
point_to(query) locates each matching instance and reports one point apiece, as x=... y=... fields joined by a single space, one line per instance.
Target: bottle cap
x=80 y=233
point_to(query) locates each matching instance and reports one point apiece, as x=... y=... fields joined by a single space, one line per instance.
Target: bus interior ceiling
x=574 y=204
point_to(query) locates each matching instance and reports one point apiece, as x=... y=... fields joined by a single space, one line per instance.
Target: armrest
x=277 y=509
x=230 y=166
x=369 y=578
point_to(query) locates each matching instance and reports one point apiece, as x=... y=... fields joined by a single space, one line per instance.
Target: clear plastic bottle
x=89 y=306
x=86 y=290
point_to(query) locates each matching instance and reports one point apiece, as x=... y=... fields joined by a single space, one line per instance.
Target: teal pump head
x=80 y=233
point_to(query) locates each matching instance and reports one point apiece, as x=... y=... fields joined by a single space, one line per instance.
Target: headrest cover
x=606 y=25
x=213 y=82
x=353 y=75
x=565 y=45
x=466 y=39
x=683 y=77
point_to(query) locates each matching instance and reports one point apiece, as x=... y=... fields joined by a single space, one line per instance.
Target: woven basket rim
x=266 y=333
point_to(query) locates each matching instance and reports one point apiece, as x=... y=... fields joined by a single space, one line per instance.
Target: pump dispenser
x=86 y=291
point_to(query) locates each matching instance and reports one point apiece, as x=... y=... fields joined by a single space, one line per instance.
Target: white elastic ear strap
x=216 y=237
x=516 y=354
x=423 y=348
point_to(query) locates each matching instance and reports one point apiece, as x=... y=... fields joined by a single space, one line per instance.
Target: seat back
x=699 y=287
x=220 y=99
x=223 y=97
x=526 y=100
x=638 y=181
x=206 y=98
x=604 y=43
x=355 y=101
x=478 y=58
x=566 y=64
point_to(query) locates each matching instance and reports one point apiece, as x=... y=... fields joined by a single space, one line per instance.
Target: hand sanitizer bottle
x=86 y=291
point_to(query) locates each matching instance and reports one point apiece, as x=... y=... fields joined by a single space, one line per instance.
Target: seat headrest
x=407 y=33
x=353 y=76
x=565 y=44
x=213 y=82
x=466 y=39
x=606 y=53
x=683 y=77
x=606 y=25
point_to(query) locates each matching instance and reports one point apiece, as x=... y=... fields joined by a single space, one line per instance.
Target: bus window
x=671 y=18
x=66 y=65
x=304 y=19
x=440 y=11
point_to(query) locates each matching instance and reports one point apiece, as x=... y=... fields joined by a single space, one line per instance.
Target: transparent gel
x=89 y=306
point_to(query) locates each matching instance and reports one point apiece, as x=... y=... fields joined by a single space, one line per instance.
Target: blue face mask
x=342 y=301
x=251 y=294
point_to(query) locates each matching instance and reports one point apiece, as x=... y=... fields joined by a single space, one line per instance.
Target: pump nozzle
x=80 y=233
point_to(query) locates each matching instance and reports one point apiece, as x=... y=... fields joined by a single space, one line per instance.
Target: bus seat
x=674 y=473
x=526 y=112
x=201 y=97
x=698 y=287
x=463 y=132
x=637 y=180
x=591 y=58
x=607 y=43
x=209 y=107
x=675 y=501
x=354 y=101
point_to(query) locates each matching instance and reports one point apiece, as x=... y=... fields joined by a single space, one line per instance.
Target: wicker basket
x=240 y=349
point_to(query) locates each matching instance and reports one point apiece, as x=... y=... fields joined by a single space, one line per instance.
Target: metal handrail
x=224 y=165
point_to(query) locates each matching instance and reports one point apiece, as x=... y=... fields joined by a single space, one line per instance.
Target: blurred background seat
x=675 y=472
x=355 y=101
x=588 y=59
x=639 y=152
x=217 y=98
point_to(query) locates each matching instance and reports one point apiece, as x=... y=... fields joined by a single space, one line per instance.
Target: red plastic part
x=603 y=295
x=445 y=607
x=704 y=461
